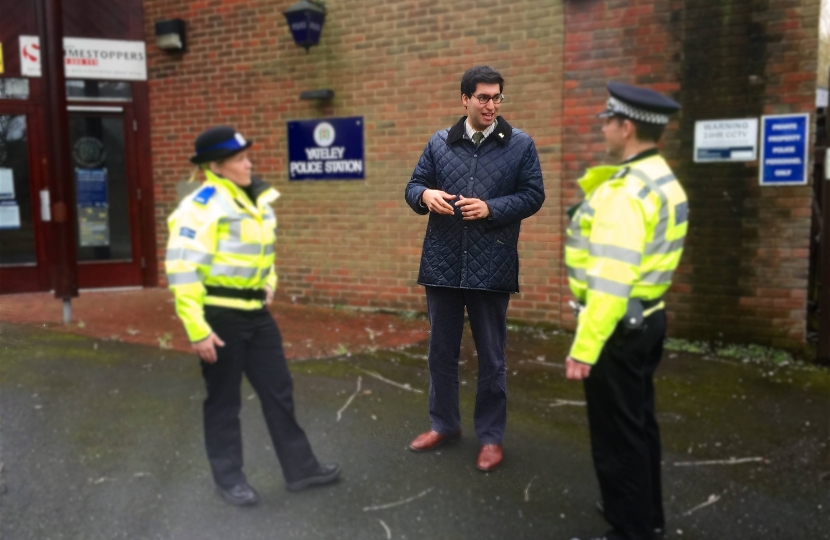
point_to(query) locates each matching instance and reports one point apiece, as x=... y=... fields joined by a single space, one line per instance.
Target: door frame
x=20 y=279
x=120 y=273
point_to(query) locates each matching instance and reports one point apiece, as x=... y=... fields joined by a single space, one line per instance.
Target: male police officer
x=477 y=181
x=624 y=243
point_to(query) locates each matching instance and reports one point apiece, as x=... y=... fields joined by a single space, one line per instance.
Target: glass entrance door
x=107 y=233
x=22 y=231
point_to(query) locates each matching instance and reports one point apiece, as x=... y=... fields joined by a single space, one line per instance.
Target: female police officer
x=220 y=266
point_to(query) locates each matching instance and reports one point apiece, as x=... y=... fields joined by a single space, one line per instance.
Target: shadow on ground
x=102 y=440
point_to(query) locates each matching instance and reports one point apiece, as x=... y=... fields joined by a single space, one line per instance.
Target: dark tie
x=477 y=136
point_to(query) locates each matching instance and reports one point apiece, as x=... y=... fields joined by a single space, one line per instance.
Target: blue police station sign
x=326 y=149
x=784 y=147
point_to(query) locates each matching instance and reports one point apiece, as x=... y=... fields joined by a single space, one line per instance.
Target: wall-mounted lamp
x=170 y=35
x=321 y=95
x=305 y=19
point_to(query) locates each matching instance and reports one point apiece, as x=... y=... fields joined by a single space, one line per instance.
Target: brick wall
x=398 y=64
x=744 y=273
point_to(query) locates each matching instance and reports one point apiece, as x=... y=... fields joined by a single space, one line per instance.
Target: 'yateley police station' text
x=326 y=160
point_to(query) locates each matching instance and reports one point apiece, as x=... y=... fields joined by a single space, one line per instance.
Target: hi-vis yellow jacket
x=219 y=238
x=625 y=241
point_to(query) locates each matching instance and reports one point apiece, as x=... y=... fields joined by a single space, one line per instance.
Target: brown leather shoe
x=489 y=457
x=431 y=440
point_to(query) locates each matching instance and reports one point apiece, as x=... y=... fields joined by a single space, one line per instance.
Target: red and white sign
x=90 y=58
x=30 y=56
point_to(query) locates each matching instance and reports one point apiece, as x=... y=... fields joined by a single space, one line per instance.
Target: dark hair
x=643 y=131
x=480 y=74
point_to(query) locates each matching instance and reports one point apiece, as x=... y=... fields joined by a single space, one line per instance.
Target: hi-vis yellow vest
x=219 y=238
x=625 y=241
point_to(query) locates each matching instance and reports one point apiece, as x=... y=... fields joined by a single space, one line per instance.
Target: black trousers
x=488 y=321
x=253 y=346
x=625 y=439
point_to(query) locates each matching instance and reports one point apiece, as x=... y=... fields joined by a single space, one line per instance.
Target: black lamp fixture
x=170 y=35
x=324 y=94
x=305 y=19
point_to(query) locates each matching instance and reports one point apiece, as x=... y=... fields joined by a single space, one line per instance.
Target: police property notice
x=326 y=149
x=784 y=149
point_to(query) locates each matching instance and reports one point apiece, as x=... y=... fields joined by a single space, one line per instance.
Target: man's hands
x=437 y=201
x=206 y=349
x=576 y=371
x=269 y=295
x=472 y=208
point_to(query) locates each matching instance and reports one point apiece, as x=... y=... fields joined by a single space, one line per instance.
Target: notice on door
x=9 y=215
x=93 y=207
x=6 y=183
x=93 y=226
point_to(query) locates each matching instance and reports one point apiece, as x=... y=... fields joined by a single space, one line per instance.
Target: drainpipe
x=63 y=249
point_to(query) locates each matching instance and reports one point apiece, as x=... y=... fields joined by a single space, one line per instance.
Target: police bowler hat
x=218 y=143
x=638 y=103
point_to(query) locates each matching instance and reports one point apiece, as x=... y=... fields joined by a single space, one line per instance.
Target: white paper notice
x=6 y=183
x=9 y=216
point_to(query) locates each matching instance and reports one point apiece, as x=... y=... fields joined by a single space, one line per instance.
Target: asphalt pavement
x=103 y=440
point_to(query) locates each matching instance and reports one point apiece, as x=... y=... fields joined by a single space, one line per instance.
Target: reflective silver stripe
x=228 y=208
x=587 y=210
x=576 y=242
x=663 y=224
x=227 y=270
x=183 y=278
x=660 y=247
x=264 y=273
x=657 y=277
x=615 y=253
x=238 y=248
x=578 y=274
x=644 y=192
x=189 y=255
x=609 y=287
x=235 y=229
x=665 y=180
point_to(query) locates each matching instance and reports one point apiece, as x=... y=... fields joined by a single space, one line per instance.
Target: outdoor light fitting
x=170 y=35
x=305 y=19
x=322 y=95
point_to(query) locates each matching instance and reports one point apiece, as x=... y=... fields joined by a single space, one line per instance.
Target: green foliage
x=747 y=353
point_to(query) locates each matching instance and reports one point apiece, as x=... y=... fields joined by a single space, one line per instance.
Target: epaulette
x=620 y=173
x=204 y=195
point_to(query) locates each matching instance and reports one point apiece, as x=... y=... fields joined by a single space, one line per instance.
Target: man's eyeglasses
x=484 y=98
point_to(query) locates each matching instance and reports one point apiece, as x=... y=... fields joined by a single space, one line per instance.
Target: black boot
x=239 y=495
x=325 y=474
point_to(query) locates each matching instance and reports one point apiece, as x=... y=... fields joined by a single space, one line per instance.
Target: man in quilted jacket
x=477 y=181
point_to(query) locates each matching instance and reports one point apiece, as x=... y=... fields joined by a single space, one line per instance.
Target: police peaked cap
x=638 y=103
x=218 y=143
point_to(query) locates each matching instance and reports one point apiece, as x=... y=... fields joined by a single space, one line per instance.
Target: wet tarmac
x=102 y=440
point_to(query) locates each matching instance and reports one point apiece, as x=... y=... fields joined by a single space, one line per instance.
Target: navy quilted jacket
x=504 y=171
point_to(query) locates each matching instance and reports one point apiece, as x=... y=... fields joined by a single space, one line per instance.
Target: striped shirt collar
x=486 y=132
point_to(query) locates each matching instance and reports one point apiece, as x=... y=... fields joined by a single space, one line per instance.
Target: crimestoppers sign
x=90 y=58
x=326 y=149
